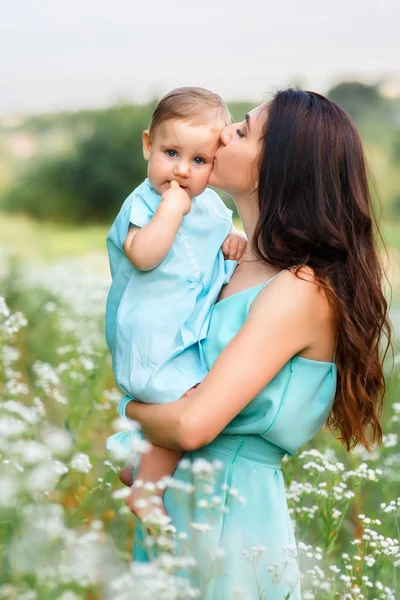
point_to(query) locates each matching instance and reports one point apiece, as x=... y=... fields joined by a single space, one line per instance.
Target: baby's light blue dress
x=155 y=320
x=286 y=414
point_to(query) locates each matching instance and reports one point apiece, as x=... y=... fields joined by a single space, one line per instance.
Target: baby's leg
x=126 y=475
x=153 y=466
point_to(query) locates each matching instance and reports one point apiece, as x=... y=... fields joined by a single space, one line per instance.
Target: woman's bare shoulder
x=298 y=289
x=317 y=293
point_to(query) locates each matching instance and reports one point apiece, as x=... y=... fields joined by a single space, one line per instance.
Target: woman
x=293 y=342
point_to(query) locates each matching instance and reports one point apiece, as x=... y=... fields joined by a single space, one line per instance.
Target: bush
x=92 y=182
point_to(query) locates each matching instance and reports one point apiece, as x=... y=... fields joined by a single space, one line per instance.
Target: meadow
x=65 y=532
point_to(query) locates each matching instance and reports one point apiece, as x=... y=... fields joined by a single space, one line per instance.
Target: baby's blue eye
x=199 y=160
x=171 y=153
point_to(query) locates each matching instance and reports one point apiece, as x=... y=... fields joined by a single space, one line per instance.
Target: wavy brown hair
x=316 y=210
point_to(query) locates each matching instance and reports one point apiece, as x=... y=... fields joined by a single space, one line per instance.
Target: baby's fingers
x=241 y=249
x=225 y=248
x=233 y=248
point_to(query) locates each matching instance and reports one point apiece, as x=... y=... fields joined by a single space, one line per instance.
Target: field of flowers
x=65 y=533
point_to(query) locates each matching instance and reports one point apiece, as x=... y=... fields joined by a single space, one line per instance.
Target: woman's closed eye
x=240 y=133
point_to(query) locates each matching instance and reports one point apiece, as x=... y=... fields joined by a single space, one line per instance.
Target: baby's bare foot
x=126 y=475
x=144 y=505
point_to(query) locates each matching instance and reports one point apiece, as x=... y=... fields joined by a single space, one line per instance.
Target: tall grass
x=64 y=531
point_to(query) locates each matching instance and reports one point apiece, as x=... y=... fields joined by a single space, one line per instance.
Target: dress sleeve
x=142 y=209
x=140 y=213
x=218 y=207
x=138 y=209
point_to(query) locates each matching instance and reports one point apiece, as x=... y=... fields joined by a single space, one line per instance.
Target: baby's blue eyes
x=198 y=160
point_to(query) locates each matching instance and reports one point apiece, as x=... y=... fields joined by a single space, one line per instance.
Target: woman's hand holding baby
x=176 y=196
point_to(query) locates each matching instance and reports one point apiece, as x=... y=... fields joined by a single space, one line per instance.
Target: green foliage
x=90 y=183
x=360 y=101
x=63 y=532
x=377 y=119
x=107 y=163
x=87 y=162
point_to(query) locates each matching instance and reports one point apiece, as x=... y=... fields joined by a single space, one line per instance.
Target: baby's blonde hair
x=195 y=105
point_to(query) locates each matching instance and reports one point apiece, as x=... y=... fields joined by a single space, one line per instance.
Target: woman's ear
x=146 y=144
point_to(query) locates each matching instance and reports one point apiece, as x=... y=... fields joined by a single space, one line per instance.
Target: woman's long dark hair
x=316 y=210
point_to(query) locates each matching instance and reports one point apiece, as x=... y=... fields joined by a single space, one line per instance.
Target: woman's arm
x=283 y=321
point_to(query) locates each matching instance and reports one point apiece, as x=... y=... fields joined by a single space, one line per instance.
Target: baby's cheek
x=207 y=172
x=201 y=181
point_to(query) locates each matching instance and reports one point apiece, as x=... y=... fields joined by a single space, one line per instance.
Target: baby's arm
x=147 y=247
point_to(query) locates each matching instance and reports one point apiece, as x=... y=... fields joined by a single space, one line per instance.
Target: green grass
x=67 y=340
x=37 y=241
x=391 y=234
x=34 y=240
x=66 y=336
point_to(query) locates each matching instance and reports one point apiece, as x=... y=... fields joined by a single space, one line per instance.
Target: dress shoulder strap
x=263 y=285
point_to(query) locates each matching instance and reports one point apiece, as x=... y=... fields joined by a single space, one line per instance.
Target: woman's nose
x=226 y=134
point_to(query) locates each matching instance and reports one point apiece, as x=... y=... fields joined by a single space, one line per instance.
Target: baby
x=167 y=250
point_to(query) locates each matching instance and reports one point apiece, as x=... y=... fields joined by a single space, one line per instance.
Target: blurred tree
x=91 y=182
x=373 y=114
x=356 y=98
x=108 y=164
x=89 y=161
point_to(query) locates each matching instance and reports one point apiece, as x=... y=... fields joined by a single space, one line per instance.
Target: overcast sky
x=74 y=53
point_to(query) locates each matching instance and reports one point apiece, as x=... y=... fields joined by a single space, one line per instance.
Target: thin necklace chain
x=249 y=259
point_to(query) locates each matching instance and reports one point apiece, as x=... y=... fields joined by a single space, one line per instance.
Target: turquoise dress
x=286 y=414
